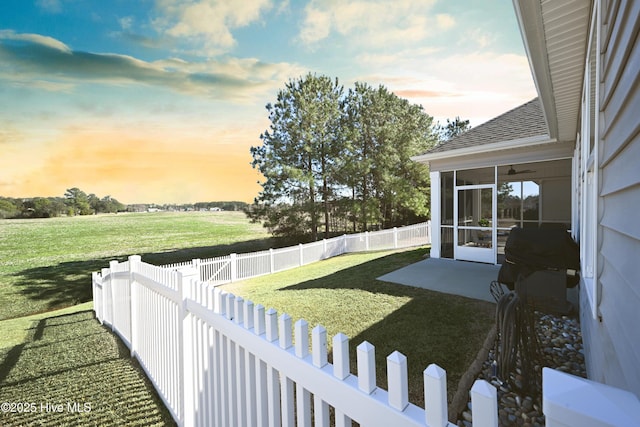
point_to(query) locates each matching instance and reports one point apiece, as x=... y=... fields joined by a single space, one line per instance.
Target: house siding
x=612 y=339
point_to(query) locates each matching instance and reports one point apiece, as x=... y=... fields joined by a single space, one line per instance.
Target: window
x=589 y=169
x=518 y=204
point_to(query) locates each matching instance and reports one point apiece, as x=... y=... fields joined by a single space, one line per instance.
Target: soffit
x=555 y=34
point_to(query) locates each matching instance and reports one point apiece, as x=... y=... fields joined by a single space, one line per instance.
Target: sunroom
x=502 y=174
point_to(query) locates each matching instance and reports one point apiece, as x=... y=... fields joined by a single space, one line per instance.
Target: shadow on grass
x=69 y=283
x=82 y=372
x=432 y=327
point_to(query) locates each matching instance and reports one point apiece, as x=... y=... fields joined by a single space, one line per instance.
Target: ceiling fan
x=512 y=171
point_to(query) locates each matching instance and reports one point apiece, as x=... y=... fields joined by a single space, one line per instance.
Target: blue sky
x=160 y=100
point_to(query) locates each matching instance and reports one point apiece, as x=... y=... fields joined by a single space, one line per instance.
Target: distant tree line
x=74 y=202
x=337 y=161
x=186 y=207
x=225 y=206
x=77 y=202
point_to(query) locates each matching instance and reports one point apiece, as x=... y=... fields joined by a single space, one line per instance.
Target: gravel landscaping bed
x=561 y=348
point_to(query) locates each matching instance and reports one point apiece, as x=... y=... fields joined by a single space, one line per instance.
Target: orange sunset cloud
x=135 y=168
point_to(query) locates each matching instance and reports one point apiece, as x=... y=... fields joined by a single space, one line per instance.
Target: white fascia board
x=529 y=15
x=477 y=149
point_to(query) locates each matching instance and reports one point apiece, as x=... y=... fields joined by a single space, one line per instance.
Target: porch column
x=435 y=214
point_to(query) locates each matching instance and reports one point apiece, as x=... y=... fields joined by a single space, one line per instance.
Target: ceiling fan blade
x=512 y=171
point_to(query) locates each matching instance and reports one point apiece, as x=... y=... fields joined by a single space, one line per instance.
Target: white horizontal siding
x=621 y=172
x=620 y=211
x=623 y=33
x=620 y=99
x=612 y=342
x=619 y=306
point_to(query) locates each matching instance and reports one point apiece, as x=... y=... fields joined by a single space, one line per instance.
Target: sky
x=159 y=101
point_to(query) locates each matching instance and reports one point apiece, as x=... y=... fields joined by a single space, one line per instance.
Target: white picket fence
x=233 y=267
x=218 y=360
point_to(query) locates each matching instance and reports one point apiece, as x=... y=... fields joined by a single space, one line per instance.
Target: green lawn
x=46 y=264
x=343 y=295
x=66 y=356
x=70 y=370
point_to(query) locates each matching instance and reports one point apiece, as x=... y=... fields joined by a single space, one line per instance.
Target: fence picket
x=285 y=331
x=239 y=310
x=302 y=338
x=287 y=401
x=271 y=323
x=303 y=406
x=248 y=314
x=262 y=391
x=251 y=389
x=241 y=399
x=273 y=397
x=483 y=402
x=435 y=396
x=217 y=378
x=397 y=380
x=340 y=356
x=321 y=412
x=366 y=354
x=319 y=346
x=342 y=420
x=230 y=312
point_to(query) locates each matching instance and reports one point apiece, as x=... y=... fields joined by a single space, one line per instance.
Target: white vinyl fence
x=230 y=268
x=217 y=360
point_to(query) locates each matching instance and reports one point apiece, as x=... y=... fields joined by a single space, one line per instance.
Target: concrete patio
x=468 y=279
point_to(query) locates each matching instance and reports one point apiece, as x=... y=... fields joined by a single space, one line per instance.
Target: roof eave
x=468 y=151
x=529 y=15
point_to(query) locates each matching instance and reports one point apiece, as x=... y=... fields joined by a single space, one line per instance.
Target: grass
x=66 y=356
x=46 y=264
x=68 y=361
x=343 y=295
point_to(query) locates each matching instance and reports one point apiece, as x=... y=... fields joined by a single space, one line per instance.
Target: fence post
x=185 y=337
x=301 y=251
x=395 y=237
x=112 y=267
x=366 y=240
x=106 y=287
x=97 y=305
x=233 y=267
x=571 y=400
x=195 y=263
x=271 y=261
x=134 y=266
